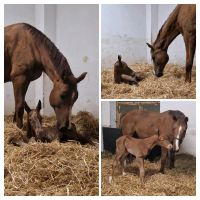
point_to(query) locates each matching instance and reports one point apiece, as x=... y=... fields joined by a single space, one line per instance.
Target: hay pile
x=85 y=122
x=170 y=85
x=49 y=168
x=176 y=182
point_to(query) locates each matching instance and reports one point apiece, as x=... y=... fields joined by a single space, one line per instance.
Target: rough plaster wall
x=189 y=109
x=77 y=37
x=14 y=14
x=122 y=33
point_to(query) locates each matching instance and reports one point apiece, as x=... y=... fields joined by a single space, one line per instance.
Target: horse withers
x=28 y=53
x=181 y=21
x=172 y=126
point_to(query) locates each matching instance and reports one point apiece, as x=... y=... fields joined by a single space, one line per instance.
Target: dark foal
x=181 y=21
x=48 y=134
x=124 y=74
x=140 y=148
x=34 y=126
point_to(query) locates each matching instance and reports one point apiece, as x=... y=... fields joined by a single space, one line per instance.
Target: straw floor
x=170 y=86
x=177 y=182
x=49 y=168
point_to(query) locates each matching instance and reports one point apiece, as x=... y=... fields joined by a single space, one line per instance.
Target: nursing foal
x=140 y=148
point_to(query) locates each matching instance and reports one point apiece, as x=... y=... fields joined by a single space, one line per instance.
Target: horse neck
x=55 y=72
x=168 y=32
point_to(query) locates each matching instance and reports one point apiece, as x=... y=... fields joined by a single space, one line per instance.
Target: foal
x=34 y=126
x=124 y=74
x=140 y=148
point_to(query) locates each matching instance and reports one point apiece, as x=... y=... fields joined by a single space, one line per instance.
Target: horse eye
x=63 y=95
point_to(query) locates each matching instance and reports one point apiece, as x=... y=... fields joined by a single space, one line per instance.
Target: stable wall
x=125 y=30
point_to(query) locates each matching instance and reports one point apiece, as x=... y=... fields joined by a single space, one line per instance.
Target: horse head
x=160 y=59
x=179 y=128
x=63 y=96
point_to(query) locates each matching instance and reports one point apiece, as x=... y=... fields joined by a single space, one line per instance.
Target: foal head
x=160 y=59
x=34 y=120
x=63 y=97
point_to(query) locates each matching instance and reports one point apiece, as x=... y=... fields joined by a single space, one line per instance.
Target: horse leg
x=171 y=159
x=20 y=86
x=190 y=45
x=116 y=163
x=141 y=168
x=163 y=159
x=122 y=161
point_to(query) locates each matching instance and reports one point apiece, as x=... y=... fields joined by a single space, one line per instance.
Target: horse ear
x=81 y=77
x=186 y=119
x=174 y=118
x=26 y=107
x=150 y=46
x=39 y=106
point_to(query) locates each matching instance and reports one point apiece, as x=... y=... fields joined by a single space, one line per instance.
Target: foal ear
x=81 y=77
x=150 y=46
x=26 y=107
x=39 y=106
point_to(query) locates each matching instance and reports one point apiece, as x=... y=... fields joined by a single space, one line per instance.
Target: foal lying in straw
x=48 y=134
x=140 y=148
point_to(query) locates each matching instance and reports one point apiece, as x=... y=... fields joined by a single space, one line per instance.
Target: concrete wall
x=123 y=31
x=127 y=28
x=75 y=31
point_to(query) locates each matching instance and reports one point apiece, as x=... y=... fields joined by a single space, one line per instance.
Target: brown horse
x=28 y=53
x=140 y=148
x=181 y=21
x=172 y=126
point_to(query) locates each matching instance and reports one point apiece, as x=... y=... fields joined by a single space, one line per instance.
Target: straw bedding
x=170 y=85
x=49 y=168
x=177 y=182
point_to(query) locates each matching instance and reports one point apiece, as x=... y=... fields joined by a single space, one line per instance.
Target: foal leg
x=190 y=45
x=141 y=168
x=20 y=86
x=163 y=159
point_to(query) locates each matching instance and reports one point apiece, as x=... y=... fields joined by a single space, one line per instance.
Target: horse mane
x=176 y=113
x=168 y=26
x=58 y=59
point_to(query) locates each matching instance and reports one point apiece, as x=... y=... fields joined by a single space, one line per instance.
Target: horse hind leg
x=20 y=86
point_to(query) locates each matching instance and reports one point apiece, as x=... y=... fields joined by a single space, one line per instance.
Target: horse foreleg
x=171 y=159
x=20 y=86
x=190 y=45
x=141 y=168
x=163 y=159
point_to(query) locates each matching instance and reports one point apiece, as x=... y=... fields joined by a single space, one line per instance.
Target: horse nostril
x=169 y=146
x=159 y=74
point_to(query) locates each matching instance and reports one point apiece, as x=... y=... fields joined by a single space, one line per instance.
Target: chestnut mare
x=172 y=126
x=28 y=53
x=181 y=21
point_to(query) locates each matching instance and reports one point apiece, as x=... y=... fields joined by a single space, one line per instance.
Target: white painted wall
x=123 y=31
x=127 y=28
x=74 y=30
x=189 y=109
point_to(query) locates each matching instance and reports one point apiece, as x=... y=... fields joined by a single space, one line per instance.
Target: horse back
x=20 y=52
